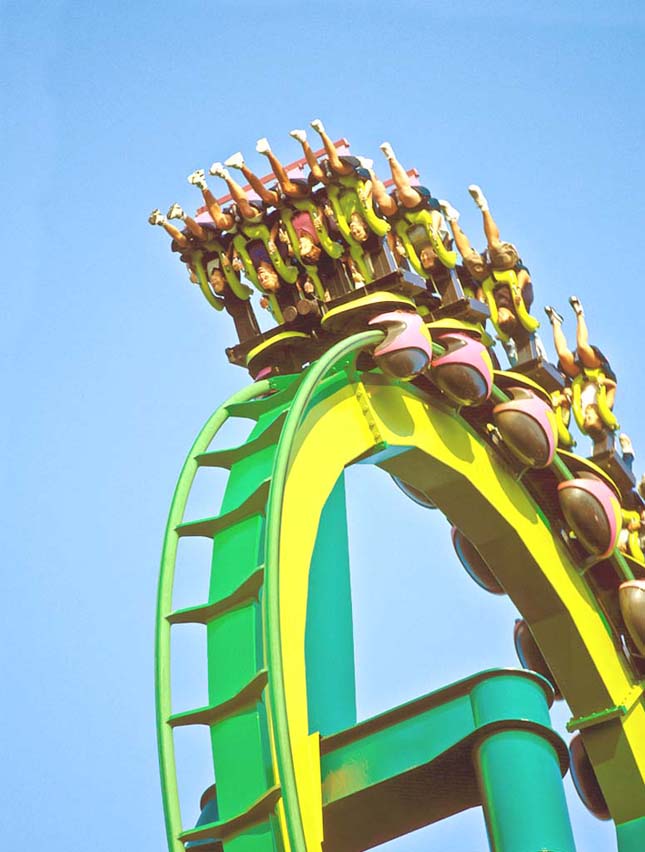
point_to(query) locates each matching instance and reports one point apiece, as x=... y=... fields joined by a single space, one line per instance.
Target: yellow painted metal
x=544 y=583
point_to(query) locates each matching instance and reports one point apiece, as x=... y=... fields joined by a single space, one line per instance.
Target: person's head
x=268 y=277
x=427 y=256
x=217 y=280
x=592 y=421
x=503 y=256
x=357 y=227
x=506 y=320
x=308 y=249
x=476 y=264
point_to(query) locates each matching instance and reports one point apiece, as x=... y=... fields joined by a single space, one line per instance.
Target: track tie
x=258 y=812
x=204 y=613
x=254 y=504
x=227 y=458
x=249 y=694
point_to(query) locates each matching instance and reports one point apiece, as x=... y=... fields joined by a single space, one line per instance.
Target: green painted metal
x=579 y=723
x=304 y=395
x=329 y=638
x=631 y=835
x=519 y=772
x=423 y=754
x=244 y=651
x=164 y=604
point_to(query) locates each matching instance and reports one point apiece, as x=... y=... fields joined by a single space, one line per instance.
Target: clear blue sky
x=112 y=361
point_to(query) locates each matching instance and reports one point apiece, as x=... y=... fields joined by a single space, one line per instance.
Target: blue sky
x=112 y=361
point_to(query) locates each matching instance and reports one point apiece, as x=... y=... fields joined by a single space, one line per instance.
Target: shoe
x=156 y=217
x=235 y=161
x=366 y=163
x=387 y=150
x=625 y=444
x=576 y=304
x=175 y=212
x=290 y=313
x=449 y=211
x=300 y=135
x=317 y=125
x=262 y=146
x=218 y=170
x=478 y=197
x=198 y=179
x=553 y=315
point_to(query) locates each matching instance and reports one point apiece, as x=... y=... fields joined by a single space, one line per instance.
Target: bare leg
x=286 y=184
x=490 y=225
x=406 y=192
x=310 y=157
x=585 y=352
x=380 y=194
x=335 y=162
x=240 y=197
x=236 y=161
x=566 y=356
x=222 y=220
x=157 y=218
x=195 y=229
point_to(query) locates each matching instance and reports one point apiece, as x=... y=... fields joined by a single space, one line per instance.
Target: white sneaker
x=218 y=170
x=235 y=161
x=175 y=212
x=317 y=125
x=156 y=217
x=625 y=444
x=198 y=179
x=262 y=146
x=300 y=135
x=478 y=197
x=449 y=211
x=366 y=163
x=387 y=150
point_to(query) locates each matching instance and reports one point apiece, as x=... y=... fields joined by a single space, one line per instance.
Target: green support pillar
x=519 y=769
x=631 y=835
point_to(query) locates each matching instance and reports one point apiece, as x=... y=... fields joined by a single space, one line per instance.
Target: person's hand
x=308 y=287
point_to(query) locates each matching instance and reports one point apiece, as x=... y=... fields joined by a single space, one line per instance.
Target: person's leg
x=286 y=184
x=585 y=352
x=157 y=218
x=565 y=355
x=408 y=195
x=310 y=157
x=240 y=197
x=380 y=194
x=222 y=220
x=335 y=162
x=236 y=161
x=461 y=240
x=490 y=226
x=176 y=212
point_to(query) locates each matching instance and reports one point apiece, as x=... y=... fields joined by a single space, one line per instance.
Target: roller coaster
x=383 y=353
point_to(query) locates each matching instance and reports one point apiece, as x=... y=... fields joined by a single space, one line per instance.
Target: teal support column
x=329 y=640
x=631 y=835
x=519 y=768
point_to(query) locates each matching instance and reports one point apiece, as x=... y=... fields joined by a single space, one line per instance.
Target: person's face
x=357 y=228
x=592 y=421
x=506 y=320
x=268 y=277
x=308 y=249
x=216 y=277
x=427 y=257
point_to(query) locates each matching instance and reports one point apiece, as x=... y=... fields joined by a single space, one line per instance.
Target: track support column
x=519 y=768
